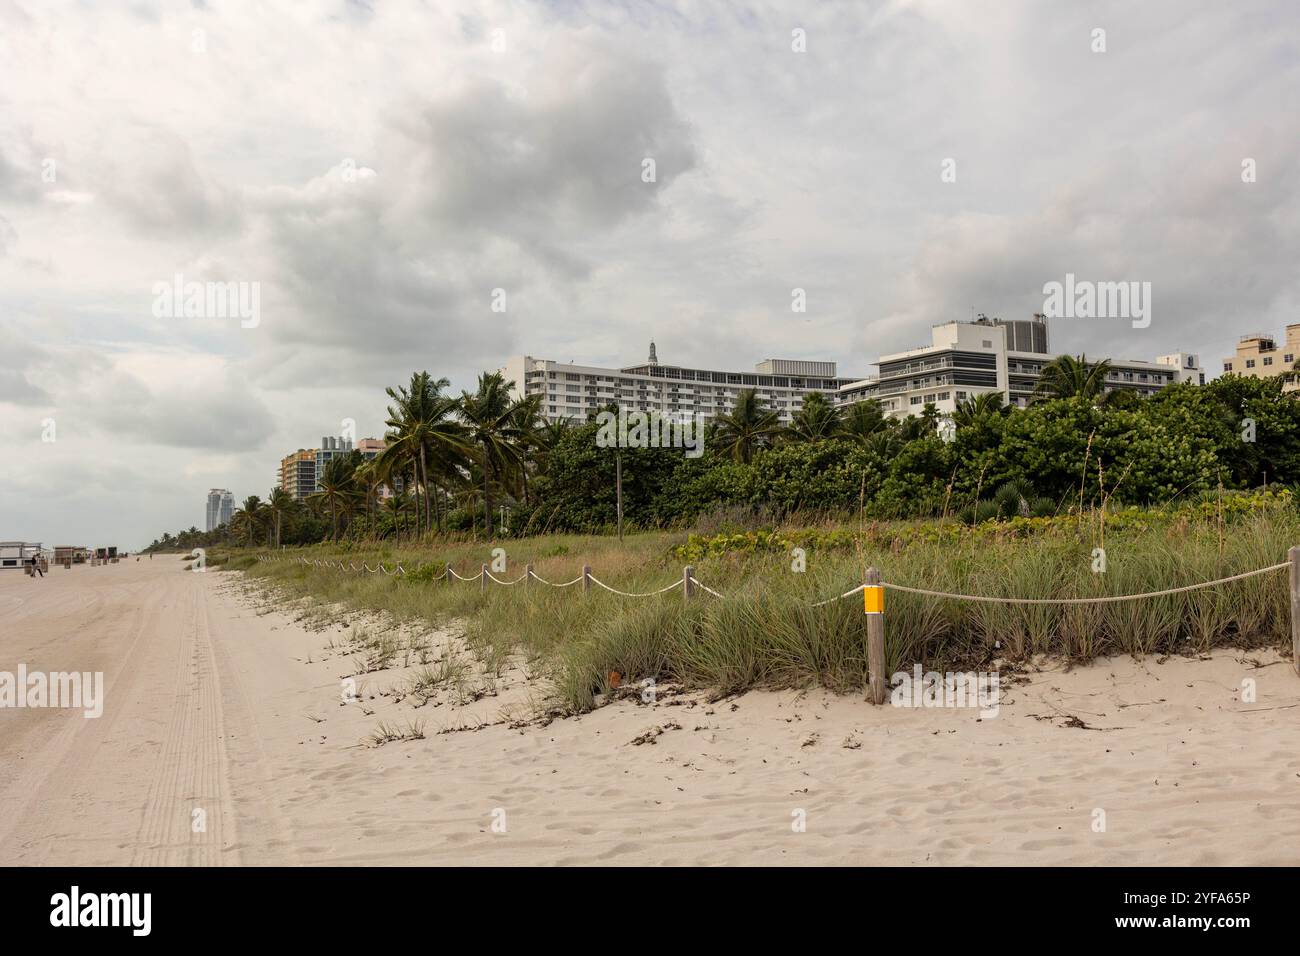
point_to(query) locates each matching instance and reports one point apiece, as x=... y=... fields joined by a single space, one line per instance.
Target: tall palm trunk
x=487 y=494
x=424 y=480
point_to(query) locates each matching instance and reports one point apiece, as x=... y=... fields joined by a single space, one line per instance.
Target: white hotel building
x=577 y=391
x=964 y=359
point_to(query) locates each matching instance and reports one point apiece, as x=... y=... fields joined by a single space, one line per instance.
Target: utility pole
x=618 y=484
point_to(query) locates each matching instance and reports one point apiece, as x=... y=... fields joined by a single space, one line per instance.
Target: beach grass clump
x=387 y=732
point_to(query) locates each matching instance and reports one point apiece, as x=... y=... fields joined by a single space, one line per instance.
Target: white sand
x=215 y=704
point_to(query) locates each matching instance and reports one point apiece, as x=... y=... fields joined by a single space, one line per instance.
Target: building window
x=1250 y=363
x=1227 y=366
x=1288 y=358
x=914 y=400
x=1268 y=360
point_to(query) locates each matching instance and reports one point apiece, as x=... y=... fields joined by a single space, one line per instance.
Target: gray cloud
x=473 y=190
x=147 y=174
x=19 y=360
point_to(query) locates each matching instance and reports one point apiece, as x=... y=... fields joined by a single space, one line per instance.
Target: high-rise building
x=298 y=473
x=220 y=506
x=576 y=391
x=301 y=470
x=330 y=448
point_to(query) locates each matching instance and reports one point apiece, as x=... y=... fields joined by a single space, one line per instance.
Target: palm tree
x=1069 y=377
x=863 y=419
x=532 y=432
x=1120 y=398
x=919 y=426
x=370 y=478
x=885 y=443
x=423 y=432
x=396 y=505
x=748 y=426
x=817 y=420
x=547 y=437
x=491 y=419
x=278 y=504
x=337 y=487
x=973 y=410
x=247 y=517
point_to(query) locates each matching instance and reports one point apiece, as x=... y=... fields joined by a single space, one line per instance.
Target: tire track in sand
x=191 y=771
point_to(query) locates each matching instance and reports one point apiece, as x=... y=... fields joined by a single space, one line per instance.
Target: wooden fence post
x=446 y=575
x=586 y=578
x=1294 y=555
x=528 y=576
x=482 y=578
x=874 y=604
x=688 y=582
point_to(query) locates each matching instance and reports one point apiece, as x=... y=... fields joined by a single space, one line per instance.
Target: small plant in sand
x=385 y=732
x=450 y=672
x=375 y=652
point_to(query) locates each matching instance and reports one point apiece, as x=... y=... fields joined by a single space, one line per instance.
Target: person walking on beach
x=36 y=566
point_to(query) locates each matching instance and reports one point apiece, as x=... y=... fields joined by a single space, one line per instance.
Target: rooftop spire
x=654 y=359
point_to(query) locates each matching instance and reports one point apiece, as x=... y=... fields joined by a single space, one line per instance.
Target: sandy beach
x=221 y=702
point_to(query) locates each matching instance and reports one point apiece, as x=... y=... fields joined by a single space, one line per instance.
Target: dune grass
x=762 y=633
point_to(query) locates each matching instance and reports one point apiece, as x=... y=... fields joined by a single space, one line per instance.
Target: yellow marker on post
x=873 y=602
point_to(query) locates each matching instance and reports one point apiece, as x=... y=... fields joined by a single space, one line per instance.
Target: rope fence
x=872 y=588
x=690 y=582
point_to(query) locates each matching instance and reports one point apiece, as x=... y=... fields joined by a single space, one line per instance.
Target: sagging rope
x=1108 y=599
x=499 y=581
x=675 y=584
x=564 y=585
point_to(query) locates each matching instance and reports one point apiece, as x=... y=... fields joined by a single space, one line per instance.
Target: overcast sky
x=380 y=168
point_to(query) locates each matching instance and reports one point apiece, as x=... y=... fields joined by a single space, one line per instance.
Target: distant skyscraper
x=221 y=505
